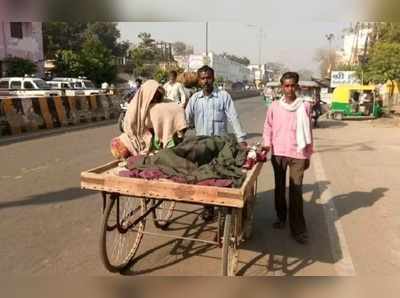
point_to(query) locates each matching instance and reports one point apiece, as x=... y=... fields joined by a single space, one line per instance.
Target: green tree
x=161 y=75
x=145 y=57
x=385 y=32
x=347 y=67
x=18 y=67
x=71 y=36
x=62 y=36
x=97 y=61
x=383 y=63
x=219 y=80
x=67 y=64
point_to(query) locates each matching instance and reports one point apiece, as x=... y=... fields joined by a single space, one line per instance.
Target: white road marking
x=338 y=243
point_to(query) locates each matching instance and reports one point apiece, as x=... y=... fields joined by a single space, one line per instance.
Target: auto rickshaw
x=271 y=92
x=355 y=102
x=308 y=89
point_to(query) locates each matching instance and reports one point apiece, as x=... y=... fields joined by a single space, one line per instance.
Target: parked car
x=66 y=88
x=26 y=86
x=82 y=83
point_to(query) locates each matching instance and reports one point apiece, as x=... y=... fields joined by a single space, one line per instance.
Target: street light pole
x=260 y=47
x=207 y=39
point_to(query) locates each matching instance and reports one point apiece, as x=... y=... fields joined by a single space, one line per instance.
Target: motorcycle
x=316 y=112
x=124 y=108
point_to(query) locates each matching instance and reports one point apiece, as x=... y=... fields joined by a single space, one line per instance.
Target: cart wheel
x=163 y=213
x=120 y=239
x=229 y=248
x=249 y=214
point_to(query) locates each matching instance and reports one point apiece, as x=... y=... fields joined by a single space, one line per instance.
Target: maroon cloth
x=132 y=161
x=155 y=174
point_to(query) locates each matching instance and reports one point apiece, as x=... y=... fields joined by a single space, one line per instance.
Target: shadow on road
x=276 y=252
x=282 y=255
x=327 y=123
x=182 y=249
x=64 y=195
x=361 y=146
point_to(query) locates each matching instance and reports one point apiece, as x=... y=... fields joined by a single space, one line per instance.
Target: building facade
x=23 y=40
x=227 y=69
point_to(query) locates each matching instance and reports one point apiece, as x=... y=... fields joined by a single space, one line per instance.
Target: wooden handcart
x=128 y=202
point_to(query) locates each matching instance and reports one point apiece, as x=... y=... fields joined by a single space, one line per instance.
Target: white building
x=354 y=45
x=223 y=67
x=23 y=40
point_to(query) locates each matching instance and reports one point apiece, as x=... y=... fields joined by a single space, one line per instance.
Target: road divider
x=25 y=114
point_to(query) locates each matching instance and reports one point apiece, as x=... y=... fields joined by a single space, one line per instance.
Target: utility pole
x=330 y=37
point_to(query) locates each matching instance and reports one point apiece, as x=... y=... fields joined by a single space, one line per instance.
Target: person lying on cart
x=209 y=111
x=150 y=123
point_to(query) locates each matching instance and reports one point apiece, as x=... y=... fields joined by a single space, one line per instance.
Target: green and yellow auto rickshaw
x=355 y=102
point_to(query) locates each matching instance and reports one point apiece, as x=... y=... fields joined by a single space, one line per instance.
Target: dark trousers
x=296 y=172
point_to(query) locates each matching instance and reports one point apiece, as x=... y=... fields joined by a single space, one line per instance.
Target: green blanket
x=200 y=158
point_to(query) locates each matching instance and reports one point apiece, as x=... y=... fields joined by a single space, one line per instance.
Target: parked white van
x=25 y=87
x=66 y=88
x=81 y=83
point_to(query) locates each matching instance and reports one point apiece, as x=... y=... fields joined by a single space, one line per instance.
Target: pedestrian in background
x=174 y=90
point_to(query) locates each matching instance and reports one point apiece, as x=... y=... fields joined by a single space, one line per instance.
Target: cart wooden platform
x=127 y=202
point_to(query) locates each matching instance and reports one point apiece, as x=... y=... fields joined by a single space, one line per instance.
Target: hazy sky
x=291 y=44
x=293 y=29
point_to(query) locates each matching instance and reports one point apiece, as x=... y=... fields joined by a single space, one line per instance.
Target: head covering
x=135 y=137
x=167 y=118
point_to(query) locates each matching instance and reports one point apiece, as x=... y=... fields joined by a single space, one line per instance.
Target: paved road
x=48 y=225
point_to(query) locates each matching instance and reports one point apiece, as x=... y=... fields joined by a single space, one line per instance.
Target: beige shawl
x=166 y=119
x=135 y=137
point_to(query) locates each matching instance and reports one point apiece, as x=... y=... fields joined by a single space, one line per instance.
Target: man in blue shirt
x=209 y=111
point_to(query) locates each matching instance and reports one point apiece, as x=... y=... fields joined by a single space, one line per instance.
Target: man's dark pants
x=296 y=173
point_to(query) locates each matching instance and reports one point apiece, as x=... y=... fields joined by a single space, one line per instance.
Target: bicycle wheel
x=163 y=213
x=120 y=235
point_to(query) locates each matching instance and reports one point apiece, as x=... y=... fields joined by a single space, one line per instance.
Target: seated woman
x=149 y=123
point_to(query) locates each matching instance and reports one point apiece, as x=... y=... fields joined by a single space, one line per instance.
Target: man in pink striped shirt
x=287 y=133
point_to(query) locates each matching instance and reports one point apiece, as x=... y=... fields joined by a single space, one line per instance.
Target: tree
x=67 y=64
x=383 y=63
x=145 y=56
x=62 y=36
x=219 y=80
x=182 y=49
x=346 y=67
x=71 y=36
x=96 y=61
x=146 y=40
x=18 y=67
x=327 y=60
x=161 y=75
x=385 y=32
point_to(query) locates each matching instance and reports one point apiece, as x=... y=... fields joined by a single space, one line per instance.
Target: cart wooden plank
x=103 y=179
